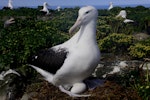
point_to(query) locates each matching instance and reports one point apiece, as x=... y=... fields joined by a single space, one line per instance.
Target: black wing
x=49 y=59
x=6 y=8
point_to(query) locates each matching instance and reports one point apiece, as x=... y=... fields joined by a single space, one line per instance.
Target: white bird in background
x=10 y=71
x=123 y=14
x=67 y=65
x=9 y=22
x=58 y=8
x=45 y=9
x=128 y=21
x=110 y=6
x=10 y=4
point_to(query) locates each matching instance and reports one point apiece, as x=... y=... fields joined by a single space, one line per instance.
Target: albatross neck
x=44 y=7
x=87 y=32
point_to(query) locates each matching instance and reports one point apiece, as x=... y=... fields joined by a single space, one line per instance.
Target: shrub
x=19 y=41
x=142 y=84
x=115 y=43
x=140 y=49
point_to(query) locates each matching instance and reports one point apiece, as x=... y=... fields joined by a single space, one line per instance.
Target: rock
x=141 y=36
x=105 y=68
x=2 y=97
x=28 y=96
x=145 y=66
x=10 y=87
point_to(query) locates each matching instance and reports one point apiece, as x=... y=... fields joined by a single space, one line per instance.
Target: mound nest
x=109 y=91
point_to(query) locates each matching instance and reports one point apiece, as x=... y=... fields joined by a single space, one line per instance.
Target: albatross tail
x=48 y=76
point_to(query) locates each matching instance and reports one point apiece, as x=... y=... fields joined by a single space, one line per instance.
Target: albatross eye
x=87 y=12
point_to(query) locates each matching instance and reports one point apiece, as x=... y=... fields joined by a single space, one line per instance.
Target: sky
x=29 y=3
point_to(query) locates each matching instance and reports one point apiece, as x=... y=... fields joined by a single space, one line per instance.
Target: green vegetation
x=140 y=49
x=109 y=24
x=142 y=85
x=115 y=42
x=24 y=38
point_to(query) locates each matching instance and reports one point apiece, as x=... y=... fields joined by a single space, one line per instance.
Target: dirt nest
x=109 y=91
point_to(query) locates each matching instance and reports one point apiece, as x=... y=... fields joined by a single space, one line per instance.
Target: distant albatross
x=67 y=65
x=45 y=9
x=123 y=14
x=9 y=6
x=110 y=6
x=58 y=8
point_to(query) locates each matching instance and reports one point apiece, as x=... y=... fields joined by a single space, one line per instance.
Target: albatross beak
x=76 y=25
x=46 y=4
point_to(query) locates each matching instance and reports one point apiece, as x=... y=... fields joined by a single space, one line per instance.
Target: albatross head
x=85 y=15
x=10 y=1
x=110 y=3
x=45 y=4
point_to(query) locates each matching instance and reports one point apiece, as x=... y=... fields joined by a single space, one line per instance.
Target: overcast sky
x=26 y=3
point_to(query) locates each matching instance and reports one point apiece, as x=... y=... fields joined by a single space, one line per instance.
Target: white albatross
x=128 y=21
x=110 y=6
x=67 y=65
x=58 y=8
x=123 y=14
x=45 y=9
x=10 y=4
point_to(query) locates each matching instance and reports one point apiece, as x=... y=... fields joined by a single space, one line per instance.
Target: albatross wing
x=49 y=59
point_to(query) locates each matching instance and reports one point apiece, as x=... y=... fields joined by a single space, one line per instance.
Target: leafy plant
x=115 y=43
x=24 y=38
x=142 y=85
x=140 y=49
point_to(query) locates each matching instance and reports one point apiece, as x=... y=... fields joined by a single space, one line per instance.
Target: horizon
x=72 y=6
x=34 y=3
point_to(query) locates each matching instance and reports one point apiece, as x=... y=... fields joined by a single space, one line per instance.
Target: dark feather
x=43 y=13
x=6 y=8
x=49 y=59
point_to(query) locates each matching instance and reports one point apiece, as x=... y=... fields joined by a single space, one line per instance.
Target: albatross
x=58 y=8
x=9 y=6
x=123 y=14
x=110 y=6
x=45 y=9
x=67 y=65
